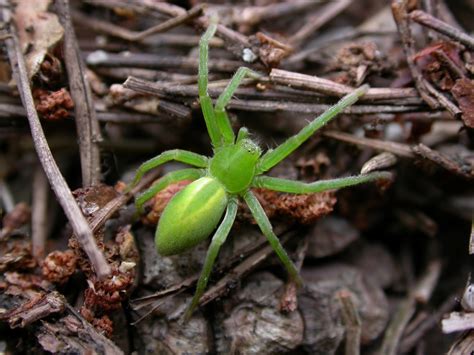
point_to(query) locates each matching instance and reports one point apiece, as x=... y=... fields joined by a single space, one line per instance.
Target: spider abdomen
x=190 y=216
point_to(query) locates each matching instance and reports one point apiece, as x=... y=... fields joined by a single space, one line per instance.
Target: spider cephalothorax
x=235 y=165
x=219 y=181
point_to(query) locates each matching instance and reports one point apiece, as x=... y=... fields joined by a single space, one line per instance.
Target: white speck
x=97 y=57
x=248 y=56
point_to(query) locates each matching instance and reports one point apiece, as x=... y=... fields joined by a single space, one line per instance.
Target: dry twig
x=318 y=20
x=427 y=91
x=88 y=130
x=63 y=193
x=125 y=34
x=407 y=308
x=39 y=213
x=352 y=322
x=442 y=27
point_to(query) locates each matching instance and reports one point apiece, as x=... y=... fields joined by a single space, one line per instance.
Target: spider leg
x=221 y=116
x=217 y=240
x=163 y=182
x=298 y=187
x=204 y=98
x=262 y=220
x=273 y=157
x=182 y=156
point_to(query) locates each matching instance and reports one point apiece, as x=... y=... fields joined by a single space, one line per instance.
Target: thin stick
x=87 y=126
x=63 y=193
x=289 y=299
x=153 y=61
x=428 y=282
x=39 y=213
x=133 y=36
x=458 y=321
x=352 y=322
x=114 y=205
x=442 y=27
x=253 y=15
x=285 y=99
x=427 y=91
x=399 y=149
x=442 y=161
x=407 y=308
x=238 y=272
x=410 y=340
x=319 y=19
x=471 y=239
x=329 y=87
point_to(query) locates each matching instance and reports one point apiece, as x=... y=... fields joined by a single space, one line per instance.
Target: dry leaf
x=38 y=30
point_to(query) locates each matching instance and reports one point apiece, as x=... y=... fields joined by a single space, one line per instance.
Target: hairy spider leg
x=217 y=240
x=263 y=222
x=298 y=187
x=204 y=98
x=183 y=156
x=273 y=157
x=223 y=122
x=165 y=181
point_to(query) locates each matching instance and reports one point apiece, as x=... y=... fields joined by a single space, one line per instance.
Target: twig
x=100 y=340
x=453 y=67
x=405 y=150
x=395 y=329
x=6 y=197
x=308 y=89
x=314 y=109
x=166 y=39
x=245 y=251
x=319 y=19
x=329 y=87
x=252 y=15
x=427 y=283
x=39 y=213
x=352 y=322
x=87 y=126
x=471 y=239
x=132 y=36
x=122 y=117
x=289 y=299
x=327 y=40
x=249 y=264
x=233 y=40
x=412 y=338
x=406 y=309
x=39 y=307
x=153 y=61
x=399 y=149
x=63 y=193
x=400 y=14
x=458 y=321
x=114 y=205
x=269 y=106
x=427 y=91
x=442 y=27
x=443 y=161
x=135 y=118
x=146 y=74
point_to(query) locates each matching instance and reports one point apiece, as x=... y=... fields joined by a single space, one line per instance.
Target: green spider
x=218 y=181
